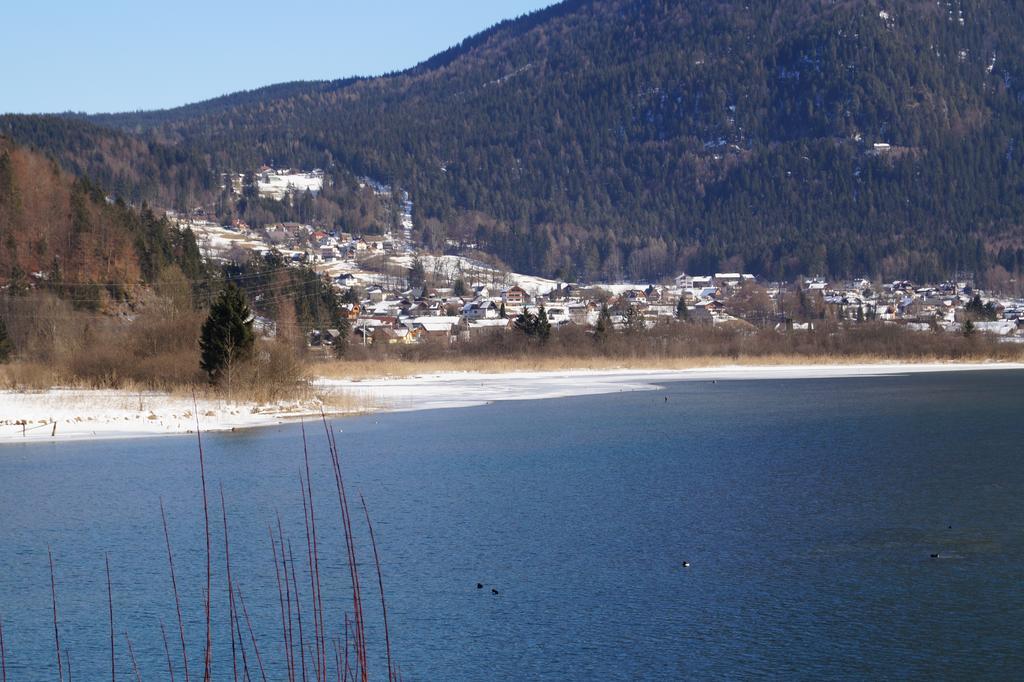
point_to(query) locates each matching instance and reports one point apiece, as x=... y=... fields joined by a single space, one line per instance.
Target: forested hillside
x=135 y=168
x=638 y=138
x=65 y=235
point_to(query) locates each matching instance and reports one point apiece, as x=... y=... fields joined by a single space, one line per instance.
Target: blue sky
x=122 y=55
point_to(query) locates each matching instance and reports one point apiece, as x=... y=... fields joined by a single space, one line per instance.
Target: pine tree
x=501 y=311
x=6 y=179
x=635 y=321
x=604 y=324
x=6 y=347
x=250 y=186
x=682 y=311
x=542 y=328
x=417 y=274
x=227 y=336
x=534 y=325
x=526 y=322
x=341 y=343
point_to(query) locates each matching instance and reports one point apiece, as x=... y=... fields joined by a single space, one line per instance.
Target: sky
x=126 y=55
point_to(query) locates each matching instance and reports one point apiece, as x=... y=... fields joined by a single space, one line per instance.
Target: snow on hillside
x=476 y=272
x=215 y=241
x=275 y=184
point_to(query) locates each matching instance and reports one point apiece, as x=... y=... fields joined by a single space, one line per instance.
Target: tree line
x=635 y=139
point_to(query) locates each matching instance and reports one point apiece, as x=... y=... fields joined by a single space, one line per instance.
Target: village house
x=486 y=326
x=395 y=335
x=478 y=310
x=515 y=296
x=636 y=296
x=558 y=315
x=435 y=328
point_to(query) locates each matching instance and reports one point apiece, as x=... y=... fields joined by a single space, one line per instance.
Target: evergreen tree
x=250 y=186
x=501 y=311
x=6 y=347
x=417 y=274
x=6 y=179
x=341 y=343
x=635 y=321
x=542 y=328
x=682 y=311
x=526 y=322
x=534 y=325
x=604 y=325
x=227 y=337
x=351 y=296
x=981 y=311
x=969 y=329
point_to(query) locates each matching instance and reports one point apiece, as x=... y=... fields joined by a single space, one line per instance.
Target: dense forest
x=638 y=138
x=65 y=235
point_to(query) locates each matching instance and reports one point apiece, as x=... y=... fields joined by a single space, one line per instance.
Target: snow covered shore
x=62 y=414
x=75 y=414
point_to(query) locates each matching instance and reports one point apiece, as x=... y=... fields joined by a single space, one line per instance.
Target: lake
x=808 y=510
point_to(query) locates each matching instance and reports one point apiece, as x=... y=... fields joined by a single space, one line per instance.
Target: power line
x=252 y=275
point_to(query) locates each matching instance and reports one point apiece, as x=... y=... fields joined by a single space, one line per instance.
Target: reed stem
x=231 y=589
x=298 y=613
x=3 y=653
x=110 y=608
x=252 y=635
x=174 y=586
x=56 y=630
x=318 y=594
x=380 y=584
x=346 y=520
x=208 y=654
x=167 y=651
x=131 y=653
x=280 y=597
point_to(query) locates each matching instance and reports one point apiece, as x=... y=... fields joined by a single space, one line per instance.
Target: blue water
x=808 y=511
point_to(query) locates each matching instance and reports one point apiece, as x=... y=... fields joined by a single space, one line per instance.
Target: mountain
x=90 y=249
x=637 y=138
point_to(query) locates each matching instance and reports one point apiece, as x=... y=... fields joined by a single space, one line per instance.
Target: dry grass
x=157 y=349
x=399 y=368
x=343 y=402
x=670 y=346
x=22 y=376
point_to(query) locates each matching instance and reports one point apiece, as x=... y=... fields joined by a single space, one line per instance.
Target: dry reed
x=3 y=653
x=208 y=655
x=110 y=607
x=131 y=655
x=56 y=630
x=231 y=587
x=252 y=635
x=315 y=660
x=167 y=651
x=174 y=587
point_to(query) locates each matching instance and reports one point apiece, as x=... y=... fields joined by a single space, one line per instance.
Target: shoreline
x=67 y=415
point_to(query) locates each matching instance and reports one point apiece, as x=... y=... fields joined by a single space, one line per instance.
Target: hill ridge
x=642 y=138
